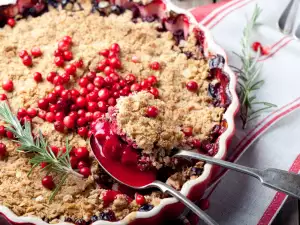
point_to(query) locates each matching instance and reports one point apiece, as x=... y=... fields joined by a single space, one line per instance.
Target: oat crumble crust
x=81 y=198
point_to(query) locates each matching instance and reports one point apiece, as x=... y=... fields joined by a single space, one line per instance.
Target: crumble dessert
x=65 y=69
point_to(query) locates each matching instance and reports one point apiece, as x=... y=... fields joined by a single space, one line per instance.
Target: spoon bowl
x=140 y=180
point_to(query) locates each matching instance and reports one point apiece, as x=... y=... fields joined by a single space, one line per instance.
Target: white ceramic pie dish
x=192 y=188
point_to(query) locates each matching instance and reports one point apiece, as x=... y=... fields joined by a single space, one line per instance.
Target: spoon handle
x=202 y=215
x=279 y=180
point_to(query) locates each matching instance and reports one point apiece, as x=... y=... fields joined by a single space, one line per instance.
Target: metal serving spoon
x=277 y=179
x=287 y=19
x=120 y=176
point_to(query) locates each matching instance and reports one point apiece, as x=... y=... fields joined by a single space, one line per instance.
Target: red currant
x=11 y=22
x=192 y=86
x=2 y=150
x=70 y=69
x=102 y=106
x=188 y=131
x=140 y=199
x=85 y=171
x=32 y=112
x=115 y=47
x=43 y=104
x=104 y=52
x=81 y=102
x=154 y=91
x=83 y=82
x=63 y=46
x=59 y=61
x=152 y=111
x=69 y=122
x=155 y=65
x=59 y=126
x=23 y=53
x=82 y=132
x=36 y=51
x=73 y=161
x=8 y=85
x=99 y=81
x=48 y=182
x=68 y=55
x=51 y=76
x=103 y=94
x=37 y=76
x=152 y=80
x=3 y=97
x=82 y=164
x=27 y=60
x=130 y=78
x=81 y=152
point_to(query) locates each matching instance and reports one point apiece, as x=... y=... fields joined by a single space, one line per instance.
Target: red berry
x=59 y=116
x=51 y=98
x=75 y=93
x=155 y=65
x=92 y=97
x=82 y=164
x=21 y=113
x=83 y=91
x=152 y=111
x=265 y=50
x=116 y=94
x=154 y=91
x=114 y=76
x=79 y=63
x=23 y=53
x=50 y=117
x=122 y=83
x=83 y=82
x=89 y=116
x=135 y=87
x=99 y=81
x=65 y=77
x=66 y=95
x=2 y=150
x=63 y=46
x=37 y=77
x=59 y=126
x=81 y=121
x=70 y=69
x=3 y=97
x=73 y=161
x=92 y=106
x=69 y=122
x=90 y=87
x=97 y=115
x=124 y=92
x=58 y=80
x=81 y=152
x=188 y=131
x=74 y=115
x=58 y=89
x=48 y=182
x=53 y=108
x=115 y=63
x=27 y=60
x=101 y=66
x=59 y=61
x=102 y=106
x=9 y=135
x=140 y=199
x=81 y=113
x=32 y=112
x=256 y=46
x=42 y=114
x=152 y=80
x=91 y=76
x=36 y=51
x=115 y=47
x=67 y=39
x=11 y=22
x=43 y=164
x=108 y=70
x=81 y=102
x=2 y=131
x=196 y=143
x=43 y=104
x=111 y=101
x=104 y=52
x=192 y=86
x=116 y=87
x=68 y=55
x=58 y=53
x=130 y=78
x=204 y=204
x=8 y=85
x=103 y=94
x=82 y=132
x=85 y=171
x=108 y=81
x=145 y=84
x=112 y=54
x=51 y=76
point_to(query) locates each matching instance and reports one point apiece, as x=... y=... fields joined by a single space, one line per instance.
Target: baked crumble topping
x=179 y=108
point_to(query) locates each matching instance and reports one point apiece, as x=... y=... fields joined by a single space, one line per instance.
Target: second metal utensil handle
x=202 y=215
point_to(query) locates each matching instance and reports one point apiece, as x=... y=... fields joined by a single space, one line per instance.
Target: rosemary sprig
x=248 y=76
x=59 y=164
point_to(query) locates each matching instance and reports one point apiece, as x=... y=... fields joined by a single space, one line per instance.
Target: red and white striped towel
x=237 y=198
